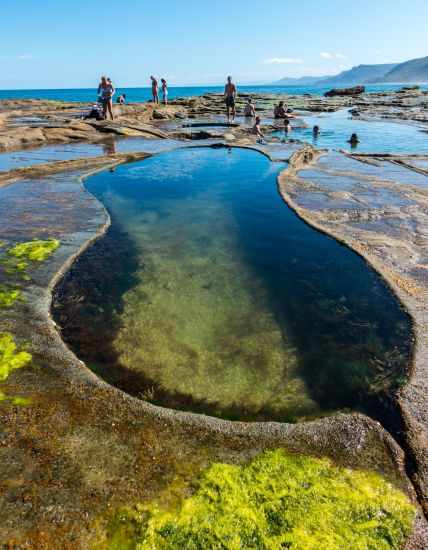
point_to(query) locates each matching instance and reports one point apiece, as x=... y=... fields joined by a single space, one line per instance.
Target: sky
x=54 y=44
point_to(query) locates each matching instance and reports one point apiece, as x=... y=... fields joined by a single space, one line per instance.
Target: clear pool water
x=210 y=295
x=375 y=137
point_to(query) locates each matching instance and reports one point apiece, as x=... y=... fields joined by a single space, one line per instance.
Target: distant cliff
x=361 y=74
x=415 y=70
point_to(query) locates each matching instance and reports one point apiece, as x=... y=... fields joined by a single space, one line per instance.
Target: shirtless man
x=229 y=98
x=155 y=89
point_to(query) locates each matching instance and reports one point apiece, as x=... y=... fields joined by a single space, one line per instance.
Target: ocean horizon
x=137 y=95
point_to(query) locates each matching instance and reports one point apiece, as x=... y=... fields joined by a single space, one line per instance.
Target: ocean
x=135 y=95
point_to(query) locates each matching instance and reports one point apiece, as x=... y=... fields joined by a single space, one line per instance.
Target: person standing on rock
x=106 y=92
x=164 y=91
x=155 y=89
x=230 y=98
x=257 y=131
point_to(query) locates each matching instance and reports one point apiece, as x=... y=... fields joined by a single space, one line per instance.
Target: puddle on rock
x=208 y=294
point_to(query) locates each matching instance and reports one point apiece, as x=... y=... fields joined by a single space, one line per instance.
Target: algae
x=276 y=501
x=11 y=358
x=17 y=259
x=32 y=251
x=8 y=296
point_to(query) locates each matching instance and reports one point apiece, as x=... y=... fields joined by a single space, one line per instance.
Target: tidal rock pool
x=209 y=294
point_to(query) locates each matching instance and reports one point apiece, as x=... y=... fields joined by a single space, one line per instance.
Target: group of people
x=106 y=91
x=281 y=111
x=155 y=90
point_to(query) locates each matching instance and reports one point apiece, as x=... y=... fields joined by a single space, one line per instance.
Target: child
x=257 y=130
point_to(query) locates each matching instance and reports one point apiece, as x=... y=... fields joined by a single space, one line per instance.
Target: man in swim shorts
x=229 y=98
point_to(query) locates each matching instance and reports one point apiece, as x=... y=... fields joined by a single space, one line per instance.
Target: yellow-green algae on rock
x=18 y=257
x=37 y=250
x=275 y=501
x=11 y=358
x=8 y=296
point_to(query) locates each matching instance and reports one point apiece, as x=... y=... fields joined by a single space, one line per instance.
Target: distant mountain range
x=413 y=71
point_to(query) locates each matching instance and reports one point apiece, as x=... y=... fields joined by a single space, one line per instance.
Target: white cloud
x=25 y=57
x=283 y=61
x=329 y=55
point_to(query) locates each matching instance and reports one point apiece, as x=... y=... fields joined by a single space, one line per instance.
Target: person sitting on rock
x=164 y=91
x=280 y=110
x=121 y=99
x=95 y=112
x=249 y=109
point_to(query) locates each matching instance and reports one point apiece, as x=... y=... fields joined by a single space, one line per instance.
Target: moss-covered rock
x=276 y=501
x=19 y=258
x=8 y=296
x=11 y=358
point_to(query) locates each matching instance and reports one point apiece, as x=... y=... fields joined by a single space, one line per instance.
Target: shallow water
x=209 y=294
x=375 y=137
x=52 y=153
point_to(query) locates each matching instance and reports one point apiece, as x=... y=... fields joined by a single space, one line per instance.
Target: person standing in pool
x=155 y=89
x=106 y=92
x=230 y=98
x=164 y=91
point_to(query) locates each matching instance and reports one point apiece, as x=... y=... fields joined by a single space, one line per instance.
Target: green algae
x=36 y=251
x=11 y=358
x=32 y=251
x=8 y=296
x=275 y=501
x=17 y=259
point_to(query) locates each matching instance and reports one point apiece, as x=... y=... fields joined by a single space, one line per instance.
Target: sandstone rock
x=21 y=137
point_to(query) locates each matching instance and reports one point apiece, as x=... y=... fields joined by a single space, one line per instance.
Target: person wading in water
x=229 y=98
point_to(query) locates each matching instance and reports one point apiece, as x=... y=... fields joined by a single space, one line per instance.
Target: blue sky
x=54 y=44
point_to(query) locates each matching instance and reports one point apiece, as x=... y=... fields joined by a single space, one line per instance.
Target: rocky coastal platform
x=73 y=447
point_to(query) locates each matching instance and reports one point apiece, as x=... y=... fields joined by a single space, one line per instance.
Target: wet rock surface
x=378 y=206
x=81 y=447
